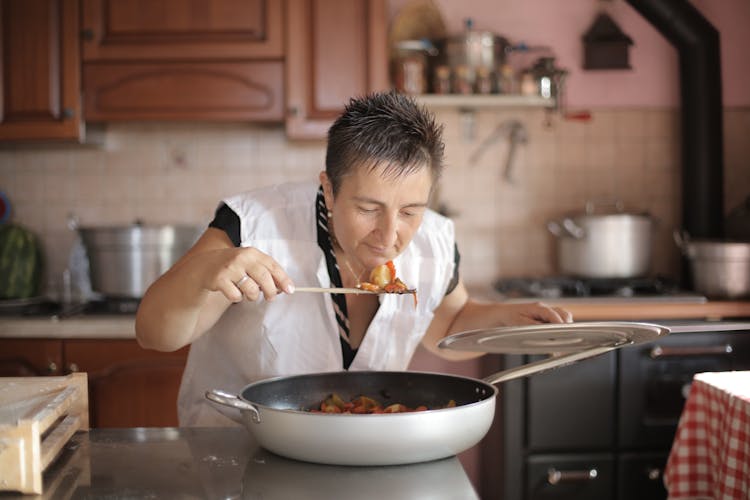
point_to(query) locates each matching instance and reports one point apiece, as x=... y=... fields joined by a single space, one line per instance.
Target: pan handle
x=545 y=364
x=233 y=401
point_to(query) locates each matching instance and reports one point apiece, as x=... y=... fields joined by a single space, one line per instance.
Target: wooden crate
x=38 y=415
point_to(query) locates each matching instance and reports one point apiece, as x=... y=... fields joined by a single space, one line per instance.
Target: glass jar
x=442 y=81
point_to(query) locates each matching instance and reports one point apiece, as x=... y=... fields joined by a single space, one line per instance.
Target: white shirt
x=298 y=333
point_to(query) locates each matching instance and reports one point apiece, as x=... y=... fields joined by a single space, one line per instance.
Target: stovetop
x=649 y=289
x=41 y=306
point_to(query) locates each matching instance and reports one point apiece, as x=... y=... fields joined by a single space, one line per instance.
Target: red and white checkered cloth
x=710 y=456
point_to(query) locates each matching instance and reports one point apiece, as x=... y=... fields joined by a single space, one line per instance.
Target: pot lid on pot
x=556 y=338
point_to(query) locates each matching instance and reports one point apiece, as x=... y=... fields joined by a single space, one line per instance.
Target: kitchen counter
x=226 y=463
x=583 y=309
x=76 y=327
x=632 y=308
x=592 y=310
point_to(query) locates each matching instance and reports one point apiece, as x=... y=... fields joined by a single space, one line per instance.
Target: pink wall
x=652 y=81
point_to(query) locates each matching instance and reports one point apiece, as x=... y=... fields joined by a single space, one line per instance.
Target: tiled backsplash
x=176 y=173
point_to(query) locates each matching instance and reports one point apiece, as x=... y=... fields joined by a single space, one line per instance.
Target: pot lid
x=554 y=338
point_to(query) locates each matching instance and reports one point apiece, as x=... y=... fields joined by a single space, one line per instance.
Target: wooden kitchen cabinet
x=164 y=30
x=30 y=358
x=40 y=70
x=211 y=60
x=335 y=50
x=128 y=386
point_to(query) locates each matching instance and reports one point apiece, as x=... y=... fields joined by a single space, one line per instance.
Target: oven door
x=655 y=380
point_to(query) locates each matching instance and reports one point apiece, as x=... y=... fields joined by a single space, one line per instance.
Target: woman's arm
x=191 y=297
x=458 y=313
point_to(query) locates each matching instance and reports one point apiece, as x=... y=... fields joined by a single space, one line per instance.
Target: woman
x=384 y=157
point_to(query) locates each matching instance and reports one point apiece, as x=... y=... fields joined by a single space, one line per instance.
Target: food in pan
x=367 y=405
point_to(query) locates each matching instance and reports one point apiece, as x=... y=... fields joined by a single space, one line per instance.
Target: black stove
x=555 y=287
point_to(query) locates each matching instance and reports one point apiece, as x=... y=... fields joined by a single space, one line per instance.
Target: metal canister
x=410 y=66
x=472 y=50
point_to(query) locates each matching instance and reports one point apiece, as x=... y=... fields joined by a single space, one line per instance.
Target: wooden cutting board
x=38 y=415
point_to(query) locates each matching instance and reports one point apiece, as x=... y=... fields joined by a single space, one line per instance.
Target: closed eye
x=414 y=212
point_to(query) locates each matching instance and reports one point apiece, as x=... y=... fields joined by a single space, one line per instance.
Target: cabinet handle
x=653 y=473
x=555 y=476
x=87 y=34
x=293 y=111
x=73 y=368
x=68 y=113
x=671 y=352
x=52 y=367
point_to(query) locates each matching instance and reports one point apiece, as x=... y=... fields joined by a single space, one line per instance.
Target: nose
x=388 y=229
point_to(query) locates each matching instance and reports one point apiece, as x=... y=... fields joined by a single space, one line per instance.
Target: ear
x=327 y=189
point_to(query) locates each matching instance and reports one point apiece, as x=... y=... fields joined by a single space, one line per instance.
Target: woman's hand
x=242 y=273
x=179 y=307
x=458 y=313
x=531 y=314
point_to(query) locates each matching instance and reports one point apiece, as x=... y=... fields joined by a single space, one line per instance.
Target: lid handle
x=591 y=206
x=545 y=364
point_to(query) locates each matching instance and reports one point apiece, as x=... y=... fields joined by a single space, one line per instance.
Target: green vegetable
x=20 y=262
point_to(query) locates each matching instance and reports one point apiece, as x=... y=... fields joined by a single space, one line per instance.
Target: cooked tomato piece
x=395 y=408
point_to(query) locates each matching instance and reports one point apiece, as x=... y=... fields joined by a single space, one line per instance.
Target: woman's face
x=375 y=217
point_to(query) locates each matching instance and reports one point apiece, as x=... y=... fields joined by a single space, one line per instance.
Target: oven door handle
x=555 y=477
x=658 y=351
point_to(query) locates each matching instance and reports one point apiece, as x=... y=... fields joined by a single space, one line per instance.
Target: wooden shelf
x=485 y=101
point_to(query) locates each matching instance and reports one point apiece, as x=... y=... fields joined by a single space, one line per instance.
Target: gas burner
x=112 y=305
x=563 y=287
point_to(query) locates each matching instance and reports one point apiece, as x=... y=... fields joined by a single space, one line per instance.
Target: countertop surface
x=225 y=463
x=583 y=309
x=75 y=327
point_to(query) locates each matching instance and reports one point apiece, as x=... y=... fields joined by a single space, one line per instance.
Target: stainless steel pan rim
x=240 y=402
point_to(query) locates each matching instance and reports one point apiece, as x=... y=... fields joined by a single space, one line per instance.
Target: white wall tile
x=177 y=173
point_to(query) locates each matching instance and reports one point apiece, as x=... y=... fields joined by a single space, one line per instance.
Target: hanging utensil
x=516 y=134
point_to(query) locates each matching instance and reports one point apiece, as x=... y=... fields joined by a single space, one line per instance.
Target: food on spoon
x=383 y=274
x=383 y=279
x=367 y=405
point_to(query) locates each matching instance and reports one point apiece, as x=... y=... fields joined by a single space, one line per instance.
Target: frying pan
x=273 y=410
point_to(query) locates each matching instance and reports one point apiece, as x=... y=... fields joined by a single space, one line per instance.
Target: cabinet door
x=641 y=476
x=573 y=407
x=148 y=30
x=335 y=50
x=30 y=357
x=128 y=386
x=40 y=70
x=655 y=380
x=184 y=91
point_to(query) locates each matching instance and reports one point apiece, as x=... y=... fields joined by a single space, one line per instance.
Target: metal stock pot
x=720 y=269
x=604 y=244
x=273 y=410
x=125 y=260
